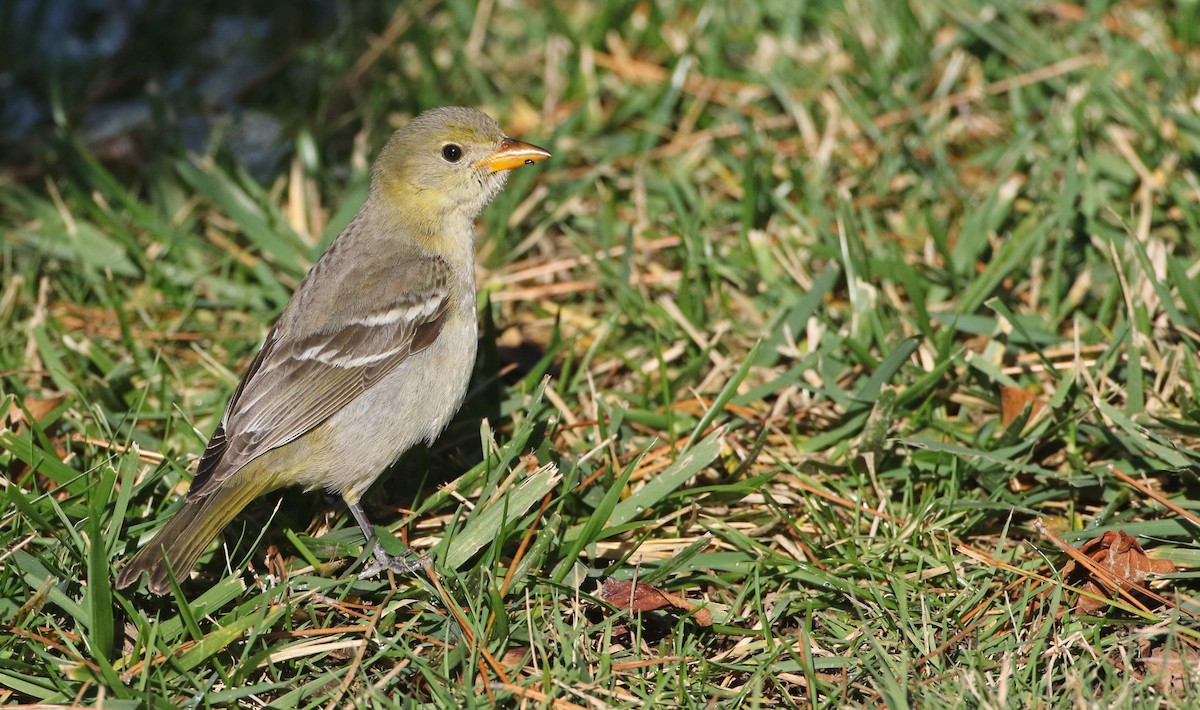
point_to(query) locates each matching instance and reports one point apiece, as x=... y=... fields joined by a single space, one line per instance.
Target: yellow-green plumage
x=189 y=532
x=374 y=351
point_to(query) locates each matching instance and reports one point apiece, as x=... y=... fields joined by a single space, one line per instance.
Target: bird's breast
x=410 y=406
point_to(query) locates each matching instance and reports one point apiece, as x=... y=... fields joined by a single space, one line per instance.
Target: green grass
x=744 y=339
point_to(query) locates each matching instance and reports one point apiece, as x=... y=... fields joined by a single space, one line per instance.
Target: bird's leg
x=383 y=561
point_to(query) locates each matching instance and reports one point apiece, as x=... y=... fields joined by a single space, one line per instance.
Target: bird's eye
x=452 y=152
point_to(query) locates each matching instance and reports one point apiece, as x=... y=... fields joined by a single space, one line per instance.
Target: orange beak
x=512 y=154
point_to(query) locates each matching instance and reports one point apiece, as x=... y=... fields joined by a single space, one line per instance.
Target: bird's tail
x=189 y=532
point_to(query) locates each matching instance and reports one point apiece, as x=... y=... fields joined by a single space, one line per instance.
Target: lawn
x=842 y=354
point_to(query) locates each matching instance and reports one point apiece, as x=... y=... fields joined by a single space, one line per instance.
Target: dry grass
x=847 y=323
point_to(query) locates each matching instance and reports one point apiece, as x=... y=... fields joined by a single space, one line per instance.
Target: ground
x=843 y=354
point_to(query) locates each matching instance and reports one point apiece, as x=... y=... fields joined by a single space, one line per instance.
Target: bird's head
x=448 y=160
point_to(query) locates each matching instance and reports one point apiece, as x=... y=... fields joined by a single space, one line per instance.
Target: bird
x=371 y=356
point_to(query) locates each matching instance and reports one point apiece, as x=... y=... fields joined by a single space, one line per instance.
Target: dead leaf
x=1119 y=554
x=39 y=409
x=1173 y=667
x=1021 y=483
x=632 y=596
x=1067 y=11
x=1013 y=401
x=514 y=658
x=639 y=597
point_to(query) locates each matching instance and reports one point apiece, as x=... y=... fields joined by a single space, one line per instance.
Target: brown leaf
x=1067 y=11
x=37 y=408
x=1119 y=554
x=701 y=615
x=514 y=658
x=1174 y=667
x=1013 y=401
x=632 y=596
x=1021 y=483
x=639 y=597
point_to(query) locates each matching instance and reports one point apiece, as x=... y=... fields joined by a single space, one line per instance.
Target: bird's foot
x=403 y=564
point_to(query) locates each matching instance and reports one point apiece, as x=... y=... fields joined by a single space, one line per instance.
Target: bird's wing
x=301 y=377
